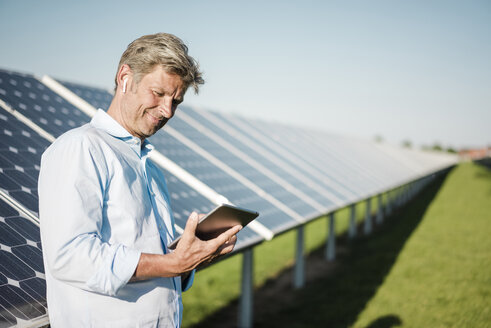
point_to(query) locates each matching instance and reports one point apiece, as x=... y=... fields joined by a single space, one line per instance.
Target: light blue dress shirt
x=102 y=203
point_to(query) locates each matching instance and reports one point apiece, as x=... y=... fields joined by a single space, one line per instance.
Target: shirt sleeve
x=72 y=181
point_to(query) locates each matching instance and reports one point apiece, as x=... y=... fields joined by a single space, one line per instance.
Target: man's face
x=148 y=105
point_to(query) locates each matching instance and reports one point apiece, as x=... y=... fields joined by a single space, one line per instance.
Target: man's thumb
x=191 y=224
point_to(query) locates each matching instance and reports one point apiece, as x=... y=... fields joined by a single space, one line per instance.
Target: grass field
x=428 y=266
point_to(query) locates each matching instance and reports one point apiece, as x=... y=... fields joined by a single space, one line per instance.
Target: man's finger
x=225 y=236
x=226 y=248
x=191 y=224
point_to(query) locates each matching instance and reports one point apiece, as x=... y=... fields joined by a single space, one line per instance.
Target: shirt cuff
x=125 y=263
x=188 y=282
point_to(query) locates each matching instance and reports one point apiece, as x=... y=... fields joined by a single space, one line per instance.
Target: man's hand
x=189 y=253
x=192 y=251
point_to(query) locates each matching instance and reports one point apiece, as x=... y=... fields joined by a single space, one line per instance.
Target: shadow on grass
x=386 y=321
x=336 y=293
x=485 y=162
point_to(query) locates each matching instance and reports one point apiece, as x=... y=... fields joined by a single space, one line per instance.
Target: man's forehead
x=159 y=77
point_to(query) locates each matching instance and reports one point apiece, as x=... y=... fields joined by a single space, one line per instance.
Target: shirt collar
x=105 y=122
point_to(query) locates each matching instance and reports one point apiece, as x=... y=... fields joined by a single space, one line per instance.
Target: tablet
x=219 y=220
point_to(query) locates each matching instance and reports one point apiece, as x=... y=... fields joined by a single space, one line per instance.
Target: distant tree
x=437 y=147
x=407 y=144
x=451 y=150
x=378 y=138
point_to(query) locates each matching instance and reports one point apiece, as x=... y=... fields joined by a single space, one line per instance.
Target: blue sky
x=405 y=70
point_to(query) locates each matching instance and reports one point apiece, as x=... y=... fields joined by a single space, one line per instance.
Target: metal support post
x=368 y=218
x=331 y=239
x=299 y=273
x=399 y=197
x=246 y=297
x=388 y=206
x=380 y=209
x=352 y=222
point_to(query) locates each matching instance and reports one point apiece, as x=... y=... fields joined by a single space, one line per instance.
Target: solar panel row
x=289 y=175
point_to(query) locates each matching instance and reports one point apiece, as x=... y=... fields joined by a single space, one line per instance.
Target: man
x=104 y=207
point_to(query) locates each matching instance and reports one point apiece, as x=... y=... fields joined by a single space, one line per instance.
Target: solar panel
x=272 y=217
x=38 y=103
x=20 y=155
x=383 y=170
x=98 y=98
x=273 y=166
x=22 y=282
x=294 y=157
x=245 y=169
x=351 y=176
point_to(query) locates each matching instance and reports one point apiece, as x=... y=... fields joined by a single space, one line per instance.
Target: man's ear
x=124 y=78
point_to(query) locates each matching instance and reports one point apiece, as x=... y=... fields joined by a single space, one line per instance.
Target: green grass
x=442 y=276
x=219 y=285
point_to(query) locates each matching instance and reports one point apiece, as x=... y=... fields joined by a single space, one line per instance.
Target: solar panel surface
x=97 y=97
x=22 y=283
x=259 y=131
x=20 y=156
x=254 y=151
x=38 y=103
x=246 y=170
x=205 y=171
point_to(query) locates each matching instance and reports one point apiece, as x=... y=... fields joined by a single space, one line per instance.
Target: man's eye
x=158 y=93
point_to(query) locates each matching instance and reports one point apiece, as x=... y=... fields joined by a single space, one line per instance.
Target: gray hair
x=164 y=49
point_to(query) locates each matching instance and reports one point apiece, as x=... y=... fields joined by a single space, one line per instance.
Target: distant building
x=474 y=154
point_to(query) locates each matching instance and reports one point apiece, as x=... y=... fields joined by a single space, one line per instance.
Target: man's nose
x=165 y=107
